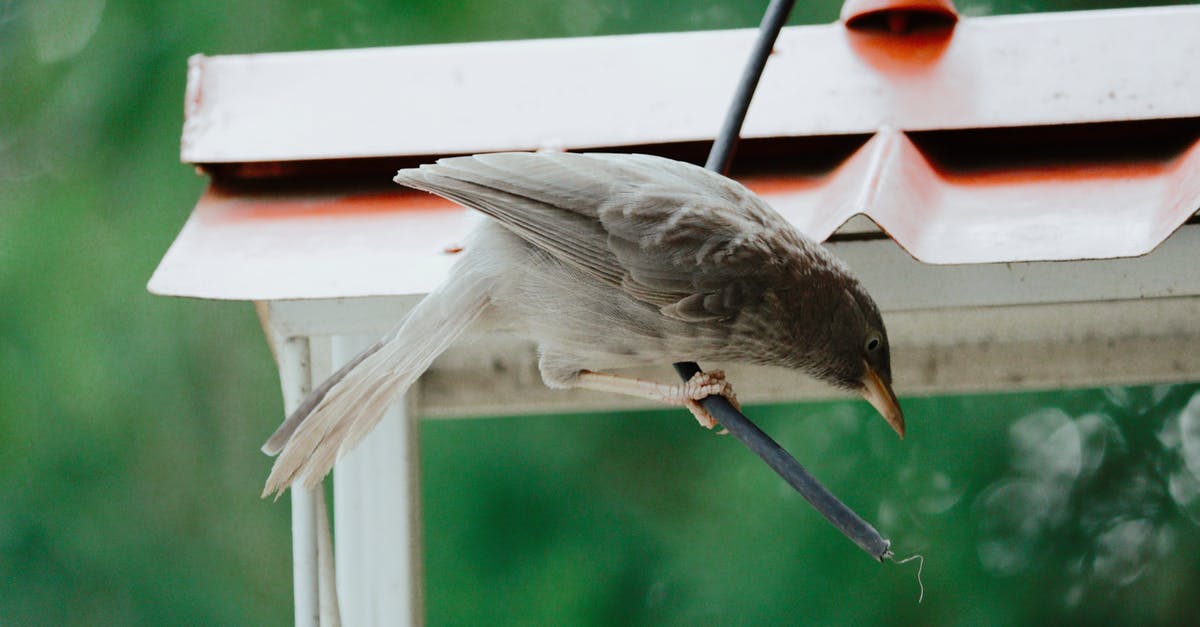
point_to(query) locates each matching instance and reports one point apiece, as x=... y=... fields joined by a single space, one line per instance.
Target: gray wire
x=719 y=158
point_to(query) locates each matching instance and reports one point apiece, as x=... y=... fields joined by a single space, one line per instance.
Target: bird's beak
x=881 y=396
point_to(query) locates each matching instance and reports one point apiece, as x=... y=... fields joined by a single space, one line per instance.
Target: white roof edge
x=670 y=87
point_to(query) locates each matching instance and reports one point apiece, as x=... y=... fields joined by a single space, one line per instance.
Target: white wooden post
x=295 y=381
x=377 y=514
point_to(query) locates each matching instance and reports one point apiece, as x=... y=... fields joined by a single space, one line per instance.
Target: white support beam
x=976 y=349
x=377 y=514
x=292 y=356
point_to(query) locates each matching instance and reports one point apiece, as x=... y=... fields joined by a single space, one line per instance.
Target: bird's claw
x=701 y=386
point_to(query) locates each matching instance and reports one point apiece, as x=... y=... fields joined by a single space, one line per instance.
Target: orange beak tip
x=883 y=399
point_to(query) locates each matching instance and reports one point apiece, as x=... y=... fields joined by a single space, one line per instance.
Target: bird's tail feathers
x=339 y=413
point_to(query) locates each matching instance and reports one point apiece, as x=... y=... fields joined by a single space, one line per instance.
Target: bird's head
x=859 y=355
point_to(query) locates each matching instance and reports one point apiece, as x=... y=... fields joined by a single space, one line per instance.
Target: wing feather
x=688 y=241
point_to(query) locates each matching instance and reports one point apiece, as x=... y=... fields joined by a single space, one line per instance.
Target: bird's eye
x=873 y=342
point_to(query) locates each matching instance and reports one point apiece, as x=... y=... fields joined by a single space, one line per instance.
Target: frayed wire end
x=920 y=567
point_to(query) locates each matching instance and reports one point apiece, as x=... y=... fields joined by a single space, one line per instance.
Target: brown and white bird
x=608 y=261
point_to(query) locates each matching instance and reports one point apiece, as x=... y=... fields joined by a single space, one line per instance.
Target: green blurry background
x=130 y=425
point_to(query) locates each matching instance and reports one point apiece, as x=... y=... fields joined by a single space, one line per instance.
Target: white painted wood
x=327 y=579
x=960 y=350
x=293 y=359
x=1039 y=344
x=305 y=585
x=377 y=526
x=941 y=350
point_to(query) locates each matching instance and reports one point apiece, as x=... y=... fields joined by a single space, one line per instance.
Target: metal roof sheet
x=1040 y=186
x=280 y=245
x=1050 y=68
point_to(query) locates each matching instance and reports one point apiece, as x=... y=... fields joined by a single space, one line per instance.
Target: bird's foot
x=689 y=394
x=701 y=386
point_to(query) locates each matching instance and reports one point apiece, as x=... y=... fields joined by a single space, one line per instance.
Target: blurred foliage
x=129 y=425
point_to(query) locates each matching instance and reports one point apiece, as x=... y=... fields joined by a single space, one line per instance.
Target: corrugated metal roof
x=1042 y=185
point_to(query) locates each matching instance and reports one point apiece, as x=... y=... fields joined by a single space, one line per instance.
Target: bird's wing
x=690 y=242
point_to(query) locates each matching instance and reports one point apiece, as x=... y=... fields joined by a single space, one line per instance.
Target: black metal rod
x=725 y=143
x=837 y=513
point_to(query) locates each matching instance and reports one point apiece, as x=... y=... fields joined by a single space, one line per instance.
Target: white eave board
x=1020 y=70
